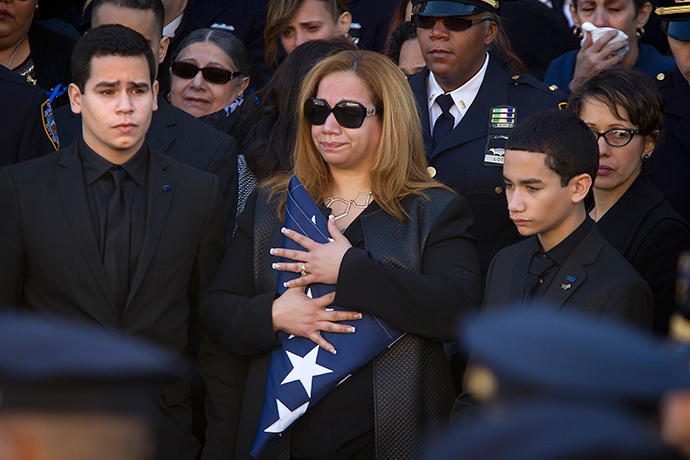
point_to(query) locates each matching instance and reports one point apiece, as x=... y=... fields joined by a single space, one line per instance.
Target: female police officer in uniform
x=468 y=104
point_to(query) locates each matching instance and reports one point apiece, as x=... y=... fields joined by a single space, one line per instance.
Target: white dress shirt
x=462 y=96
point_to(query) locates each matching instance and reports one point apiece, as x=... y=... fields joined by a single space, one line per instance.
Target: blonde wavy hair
x=400 y=166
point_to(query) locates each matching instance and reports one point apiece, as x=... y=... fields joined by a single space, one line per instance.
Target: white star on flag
x=305 y=369
x=286 y=417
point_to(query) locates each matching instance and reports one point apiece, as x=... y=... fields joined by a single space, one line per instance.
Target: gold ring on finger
x=304 y=270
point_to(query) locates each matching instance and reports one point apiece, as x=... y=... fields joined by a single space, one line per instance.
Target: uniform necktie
x=539 y=265
x=116 y=253
x=444 y=123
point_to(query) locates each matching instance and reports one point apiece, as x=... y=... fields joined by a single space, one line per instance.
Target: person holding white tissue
x=603 y=49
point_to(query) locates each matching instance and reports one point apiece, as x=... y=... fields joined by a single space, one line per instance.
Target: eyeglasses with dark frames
x=215 y=75
x=348 y=114
x=452 y=23
x=618 y=137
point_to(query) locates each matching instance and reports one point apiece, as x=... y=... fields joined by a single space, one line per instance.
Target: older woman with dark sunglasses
x=209 y=80
x=401 y=250
x=625 y=110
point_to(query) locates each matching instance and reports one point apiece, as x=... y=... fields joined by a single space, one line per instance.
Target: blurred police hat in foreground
x=441 y=8
x=571 y=355
x=675 y=18
x=546 y=430
x=47 y=364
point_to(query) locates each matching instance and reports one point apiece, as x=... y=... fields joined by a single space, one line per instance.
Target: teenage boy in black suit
x=551 y=160
x=110 y=231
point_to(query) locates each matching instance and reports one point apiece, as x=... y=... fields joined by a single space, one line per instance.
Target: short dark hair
x=626 y=89
x=404 y=32
x=231 y=46
x=145 y=5
x=109 y=40
x=570 y=147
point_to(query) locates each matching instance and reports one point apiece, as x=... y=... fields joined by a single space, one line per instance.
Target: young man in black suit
x=173 y=132
x=551 y=160
x=110 y=231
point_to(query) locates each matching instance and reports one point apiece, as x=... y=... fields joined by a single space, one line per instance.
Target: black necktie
x=116 y=253
x=444 y=123
x=539 y=265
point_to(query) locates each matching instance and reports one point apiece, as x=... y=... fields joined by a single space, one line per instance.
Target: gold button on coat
x=498 y=190
x=431 y=170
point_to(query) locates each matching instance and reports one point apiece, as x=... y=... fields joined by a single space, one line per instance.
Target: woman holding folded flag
x=396 y=253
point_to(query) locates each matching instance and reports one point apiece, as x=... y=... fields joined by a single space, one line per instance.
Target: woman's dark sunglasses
x=348 y=114
x=211 y=74
x=619 y=137
x=452 y=23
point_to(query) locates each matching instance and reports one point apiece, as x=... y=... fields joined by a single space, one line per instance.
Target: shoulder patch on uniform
x=661 y=76
x=562 y=105
x=49 y=124
x=553 y=88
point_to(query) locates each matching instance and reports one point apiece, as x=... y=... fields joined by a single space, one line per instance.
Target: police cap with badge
x=446 y=8
x=519 y=353
x=675 y=18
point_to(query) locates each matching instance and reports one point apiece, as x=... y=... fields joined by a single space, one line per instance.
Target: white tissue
x=597 y=32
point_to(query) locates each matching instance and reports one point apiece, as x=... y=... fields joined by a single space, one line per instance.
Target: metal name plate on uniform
x=495 y=150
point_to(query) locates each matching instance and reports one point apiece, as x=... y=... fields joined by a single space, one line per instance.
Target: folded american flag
x=300 y=373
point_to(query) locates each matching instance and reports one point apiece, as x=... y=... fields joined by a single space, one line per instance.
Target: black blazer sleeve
x=233 y=313
x=427 y=303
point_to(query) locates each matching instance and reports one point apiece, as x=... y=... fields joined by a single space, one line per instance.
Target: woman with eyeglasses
x=401 y=250
x=209 y=80
x=625 y=111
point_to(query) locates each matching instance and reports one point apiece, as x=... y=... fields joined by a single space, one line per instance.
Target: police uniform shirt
x=462 y=96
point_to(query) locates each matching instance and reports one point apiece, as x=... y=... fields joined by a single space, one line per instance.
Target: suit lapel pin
x=167 y=188
x=571 y=279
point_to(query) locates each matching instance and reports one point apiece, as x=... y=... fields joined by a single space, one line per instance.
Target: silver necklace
x=349 y=203
x=15 y=52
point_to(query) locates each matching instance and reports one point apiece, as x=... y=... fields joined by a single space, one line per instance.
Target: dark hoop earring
x=640 y=32
x=577 y=32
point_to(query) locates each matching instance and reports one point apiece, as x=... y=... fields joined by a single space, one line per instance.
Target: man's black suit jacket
x=51 y=262
x=605 y=284
x=180 y=136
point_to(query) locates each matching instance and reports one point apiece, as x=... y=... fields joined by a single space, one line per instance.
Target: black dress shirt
x=557 y=256
x=99 y=187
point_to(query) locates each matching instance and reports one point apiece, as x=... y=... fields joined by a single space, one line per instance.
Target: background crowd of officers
x=229 y=77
